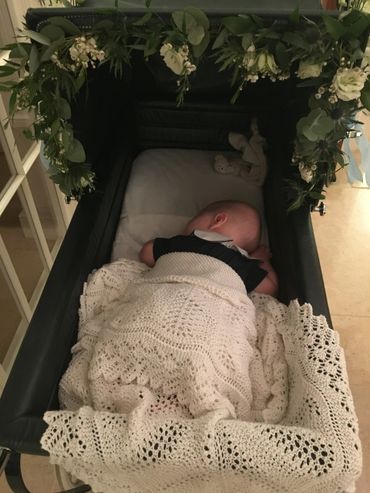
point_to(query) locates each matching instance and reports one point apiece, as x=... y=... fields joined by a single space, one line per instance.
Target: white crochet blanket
x=168 y=358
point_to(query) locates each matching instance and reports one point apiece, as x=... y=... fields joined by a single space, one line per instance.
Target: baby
x=229 y=231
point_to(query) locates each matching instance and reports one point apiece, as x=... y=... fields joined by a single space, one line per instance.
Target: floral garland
x=52 y=65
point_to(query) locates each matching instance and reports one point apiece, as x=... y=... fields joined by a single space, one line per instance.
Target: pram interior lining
x=167 y=187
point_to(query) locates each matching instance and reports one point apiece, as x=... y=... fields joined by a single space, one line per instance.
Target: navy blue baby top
x=248 y=269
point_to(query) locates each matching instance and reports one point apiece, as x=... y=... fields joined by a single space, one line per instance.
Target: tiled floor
x=343 y=239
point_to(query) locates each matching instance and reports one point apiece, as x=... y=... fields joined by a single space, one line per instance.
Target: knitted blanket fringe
x=122 y=433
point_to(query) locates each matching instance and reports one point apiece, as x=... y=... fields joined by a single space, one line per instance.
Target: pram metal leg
x=13 y=473
x=4 y=457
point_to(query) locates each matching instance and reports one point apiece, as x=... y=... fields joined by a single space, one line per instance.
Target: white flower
x=308 y=69
x=189 y=67
x=172 y=58
x=306 y=173
x=84 y=51
x=266 y=64
x=177 y=60
x=366 y=7
x=73 y=52
x=348 y=83
x=249 y=58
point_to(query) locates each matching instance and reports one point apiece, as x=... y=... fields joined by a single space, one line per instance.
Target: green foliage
x=45 y=71
x=316 y=126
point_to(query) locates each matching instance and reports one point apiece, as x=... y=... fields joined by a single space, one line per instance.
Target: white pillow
x=167 y=187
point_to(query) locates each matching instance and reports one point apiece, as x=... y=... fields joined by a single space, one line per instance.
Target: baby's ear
x=218 y=220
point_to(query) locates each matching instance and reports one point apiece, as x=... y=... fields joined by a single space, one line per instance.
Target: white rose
x=266 y=63
x=366 y=7
x=173 y=59
x=348 y=83
x=308 y=69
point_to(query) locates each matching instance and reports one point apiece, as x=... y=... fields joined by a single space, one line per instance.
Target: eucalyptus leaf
x=282 y=55
x=34 y=61
x=151 y=45
x=81 y=79
x=365 y=95
x=312 y=34
x=316 y=126
x=183 y=21
x=358 y=27
x=178 y=19
x=257 y=20
x=18 y=52
x=334 y=27
x=6 y=70
x=6 y=86
x=269 y=34
x=143 y=20
x=357 y=54
x=46 y=55
x=12 y=103
x=356 y=22
x=247 y=40
x=55 y=127
x=201 y=48
x=339 y=158
x=63 y=108
x=317 y=195
x=295 y=39
x=238 y=24
x=199 y=16
x=67 y=139
x=52 y=32
x=196 y=35
x=190 y=22
x=220 y=39
x=76 y=152
x=67 y=25
x=36 y=37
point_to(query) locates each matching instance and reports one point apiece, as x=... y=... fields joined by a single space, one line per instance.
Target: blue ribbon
x=354 y=173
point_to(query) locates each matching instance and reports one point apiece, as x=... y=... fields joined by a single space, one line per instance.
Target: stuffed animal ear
x=237 y=141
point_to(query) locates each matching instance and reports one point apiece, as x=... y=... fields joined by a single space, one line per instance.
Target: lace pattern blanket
x=135 y=430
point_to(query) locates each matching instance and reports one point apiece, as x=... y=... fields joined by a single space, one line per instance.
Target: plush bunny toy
x=252 y=164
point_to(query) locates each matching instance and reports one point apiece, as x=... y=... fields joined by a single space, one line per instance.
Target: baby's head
x=236 y=220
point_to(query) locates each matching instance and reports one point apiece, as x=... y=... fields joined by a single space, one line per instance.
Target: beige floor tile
x=343 y=241
x=355 y=340
x=38 y=476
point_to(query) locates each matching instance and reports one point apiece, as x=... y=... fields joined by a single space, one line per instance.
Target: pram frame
x=87 y=245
